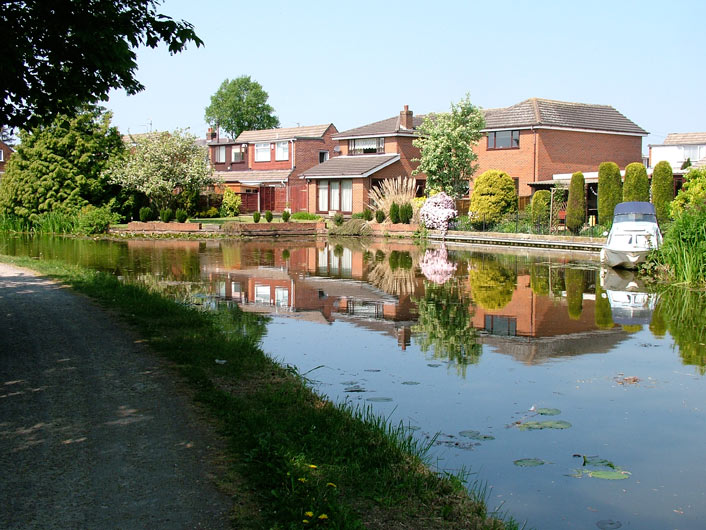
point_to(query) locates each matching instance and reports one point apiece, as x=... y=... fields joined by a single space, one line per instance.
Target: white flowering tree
x=438 y=211
x=163 y=166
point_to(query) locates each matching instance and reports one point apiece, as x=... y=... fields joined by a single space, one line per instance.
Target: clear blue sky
x=353 y=63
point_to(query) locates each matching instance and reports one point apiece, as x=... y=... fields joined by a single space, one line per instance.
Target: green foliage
x=446 y=144
x=575 y=286
x=492 y=284
x=181 y=215
x=240 y=105
x=93 y=220
x=166 y=215
x=394 y=214
x=146 y=214
x=160 y=164
x=368 y=214
x=379 y=216
x=691 y=195
x=58 y=167
x=686 y=164
x=603 y=313
x=539 y=279
x=338 y=219
x=493 y=196
x=256 y=217
x=285 y=216
x=684 y=246
x=305 y=216
x=576 y=206
x=268 y=216
x=637 y=185
x=610 y=191
x=662 y=189
x=88 y=49
x=231 y=203
x=541 y=201
x=406 y=213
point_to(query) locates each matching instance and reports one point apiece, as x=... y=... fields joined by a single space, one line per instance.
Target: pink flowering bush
x=438 y=211
x=436 y=266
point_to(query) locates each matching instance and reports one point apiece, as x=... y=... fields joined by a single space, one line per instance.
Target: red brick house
x=5 y=152
x=538 y=138
x=369 y=154
x=264 y=166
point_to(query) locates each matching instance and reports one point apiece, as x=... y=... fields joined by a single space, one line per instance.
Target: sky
x=353 y=63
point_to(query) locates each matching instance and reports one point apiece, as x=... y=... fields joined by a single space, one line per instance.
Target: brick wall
x=306 y=156
x=6 y=152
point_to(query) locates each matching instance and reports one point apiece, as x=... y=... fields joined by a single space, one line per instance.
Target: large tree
x=163 y=166
x=58 y=55
x=59 y=167
x=446 y=147
x=240 y=105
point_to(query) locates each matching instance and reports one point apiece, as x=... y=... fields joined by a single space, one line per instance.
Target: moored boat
x=634 y=234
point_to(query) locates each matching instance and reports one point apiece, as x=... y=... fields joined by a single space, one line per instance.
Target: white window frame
x=220 y=154
x=347 y=195
x=282 y=151
x=334 y=193
x=262 y=152
x=322 y=196
x=236 y=149
x=2 y=155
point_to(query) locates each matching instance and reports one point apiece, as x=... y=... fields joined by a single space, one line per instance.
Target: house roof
x=284 y=133
x=351 y=166
x=254 y=178
x=685 y=138
x=388 y=127
x=549 y=113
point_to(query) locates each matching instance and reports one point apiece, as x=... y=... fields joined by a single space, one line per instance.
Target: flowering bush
x=436 y=266
x=437 y=211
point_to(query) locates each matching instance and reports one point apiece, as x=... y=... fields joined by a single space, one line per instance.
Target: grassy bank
x=294 y=459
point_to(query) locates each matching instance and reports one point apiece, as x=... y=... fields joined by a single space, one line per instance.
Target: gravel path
x=94 y=432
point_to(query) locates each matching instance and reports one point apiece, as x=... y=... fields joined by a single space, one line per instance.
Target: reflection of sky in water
x=646 y=428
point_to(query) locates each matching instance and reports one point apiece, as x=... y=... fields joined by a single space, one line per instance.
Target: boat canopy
x=634 y=207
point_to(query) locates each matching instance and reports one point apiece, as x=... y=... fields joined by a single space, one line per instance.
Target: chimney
x=406 y=118
x=210 y=135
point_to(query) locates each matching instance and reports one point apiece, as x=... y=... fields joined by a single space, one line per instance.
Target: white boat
x=634 y=234
x=630 y=302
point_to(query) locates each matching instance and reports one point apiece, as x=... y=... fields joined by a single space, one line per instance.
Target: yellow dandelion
x=312 y=466
x=323 y=516
x=305 y=521
x=309 y=514
x=330 y=485
x=301 y=479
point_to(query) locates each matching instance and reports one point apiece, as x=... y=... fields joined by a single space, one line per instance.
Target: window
x=220 y=154
x=281 y=297
x=236 y=154
x=335 y=195
x=323 y=195
x=504 y=140
x=498 y=325
x=323 y=156
x=262 y=152
x=282 y=151
x=262 y=294
x=366 y=146
x=2 y=155
x=347 y=195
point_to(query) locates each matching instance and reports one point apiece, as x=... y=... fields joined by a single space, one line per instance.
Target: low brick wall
x=274 y=229
x=137 y=226
x=393 y=230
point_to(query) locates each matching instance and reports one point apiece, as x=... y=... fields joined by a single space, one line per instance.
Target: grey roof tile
x=694 y=138
x=264 y=135
x=259 y=176
x=383 y=127
x=350 y=166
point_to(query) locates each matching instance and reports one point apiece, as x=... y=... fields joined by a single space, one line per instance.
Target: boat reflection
x=630 y=302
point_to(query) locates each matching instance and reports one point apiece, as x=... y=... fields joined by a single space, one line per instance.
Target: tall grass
x=47 y=223
x=684 y=247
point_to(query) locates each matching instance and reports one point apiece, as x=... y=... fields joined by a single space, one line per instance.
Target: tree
x=576 y=206
x=609 y=191
x=446 y=147
x=58 y=56
x=59 y=167
x=540 y=207
x=493 y=196
x=240 y=105
x=163 y=166
x=662 y=189
x=692 y=194
x=637 y=185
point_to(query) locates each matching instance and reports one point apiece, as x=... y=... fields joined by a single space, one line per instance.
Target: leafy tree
x=609 y=191
x=637 y=185
x=163 y=166
x=692 y=194
x=662 y=189
x=446 y=147
x=576 y=206
x=540 y=207
x=493 y=196
x=231 y=203
x=59 y=167
x=63 y=54
x=240 y=105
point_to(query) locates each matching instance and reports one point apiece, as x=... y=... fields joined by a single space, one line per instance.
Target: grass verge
x=296 y=460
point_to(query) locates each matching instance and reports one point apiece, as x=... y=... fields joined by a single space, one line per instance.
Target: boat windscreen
x=635 y=218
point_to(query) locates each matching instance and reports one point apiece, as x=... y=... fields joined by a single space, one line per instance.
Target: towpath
x=94 y=430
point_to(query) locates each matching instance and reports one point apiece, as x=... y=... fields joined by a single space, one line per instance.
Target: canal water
x=574 y=394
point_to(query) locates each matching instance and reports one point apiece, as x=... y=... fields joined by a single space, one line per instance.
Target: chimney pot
x=406 y=118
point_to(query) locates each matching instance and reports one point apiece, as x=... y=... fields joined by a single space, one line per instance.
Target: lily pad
x=379 y=399
x=596 y=461
x=475 y=435
x=548 y=412
x=529 y=462
x=609 y=524
x=547 y=424
x=410 y=382
x=433 y=365
x=612 y=474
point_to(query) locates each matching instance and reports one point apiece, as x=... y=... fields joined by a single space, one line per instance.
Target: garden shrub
x=181 y=215
x=256 y=217
x=493 y=196
x=268 y=216
x=94 y=220
x=637 y=186
x=541 y=201
x=352 y=227
x=406 y=213
x=285 y=254
x=305 y=216
x=438 y=211
x=398 y=190
x=146 y=214
x=394 y=214
x=230 y=206
x=393 y=260
x=379 y=216
x=610 y=191
x=368 y=214
x=338 y=219
x=166 y=215
x=285 y=216
x=662 y=189
x=692 y=194
x=576 y=206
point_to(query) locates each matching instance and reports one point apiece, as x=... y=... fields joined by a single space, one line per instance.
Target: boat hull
x=626 y=259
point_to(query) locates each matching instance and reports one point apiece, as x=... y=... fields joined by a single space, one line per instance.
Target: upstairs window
x=504 y=140
x=282 y=151
x=219 y=154
x=262 y=152
x=237 y=154
x=366 y=146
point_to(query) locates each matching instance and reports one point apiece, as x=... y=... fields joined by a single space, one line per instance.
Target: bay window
x=334 y=195
x=366 y=146
x=262 y=152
